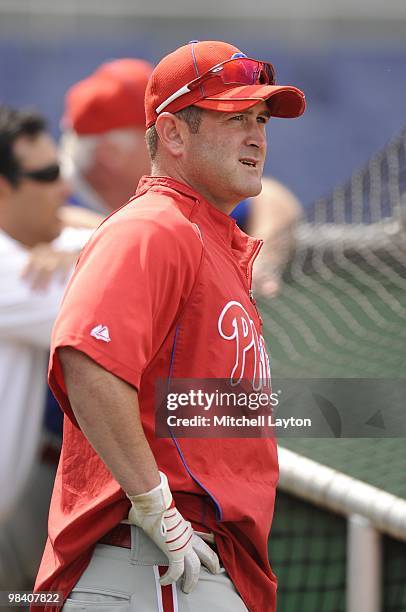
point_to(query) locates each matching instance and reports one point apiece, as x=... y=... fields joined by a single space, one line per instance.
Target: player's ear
x=170 y=130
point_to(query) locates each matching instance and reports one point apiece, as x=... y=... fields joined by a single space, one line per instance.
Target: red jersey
x=162 y=290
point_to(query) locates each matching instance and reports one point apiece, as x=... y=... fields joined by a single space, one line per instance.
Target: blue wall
x=356 y=94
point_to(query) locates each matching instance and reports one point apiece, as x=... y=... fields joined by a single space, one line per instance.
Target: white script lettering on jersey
x=235 y=325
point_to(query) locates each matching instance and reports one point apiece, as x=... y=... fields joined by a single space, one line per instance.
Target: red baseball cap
x=181 y=67
x=110 y=98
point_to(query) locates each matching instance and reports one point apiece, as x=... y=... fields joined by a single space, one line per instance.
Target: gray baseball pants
x=127 y=580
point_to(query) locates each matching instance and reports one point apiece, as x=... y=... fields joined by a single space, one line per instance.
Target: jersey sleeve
x=130 y=283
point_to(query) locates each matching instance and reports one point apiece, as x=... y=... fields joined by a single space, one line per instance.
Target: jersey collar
x=245 y=248
x=224 y=224
x=146 y=182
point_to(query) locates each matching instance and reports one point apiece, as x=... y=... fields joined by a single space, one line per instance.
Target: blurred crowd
x=51 y=200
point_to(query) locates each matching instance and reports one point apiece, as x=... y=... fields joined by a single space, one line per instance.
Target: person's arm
x=107 y=412
x=26 y=315
x=76 y=216
x=274 y=214
x=55 y=260
x=46 y=263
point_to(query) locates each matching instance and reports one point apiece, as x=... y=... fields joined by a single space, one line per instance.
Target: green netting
x=307 y=549
x=346 y=326
x=341 y=313
x=394 y=575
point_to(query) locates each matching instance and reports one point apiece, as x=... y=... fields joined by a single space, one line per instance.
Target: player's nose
x=256 y=135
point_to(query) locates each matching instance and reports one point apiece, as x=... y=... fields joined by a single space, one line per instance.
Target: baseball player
x=163 y=291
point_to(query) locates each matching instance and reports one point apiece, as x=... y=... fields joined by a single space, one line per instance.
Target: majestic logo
x=101 y=332
x=251 y=359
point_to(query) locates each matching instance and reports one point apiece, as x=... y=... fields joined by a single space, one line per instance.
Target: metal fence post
x=364 y=563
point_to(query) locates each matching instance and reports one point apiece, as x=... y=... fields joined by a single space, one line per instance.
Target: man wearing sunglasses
x=33 y=239
x=163 y=291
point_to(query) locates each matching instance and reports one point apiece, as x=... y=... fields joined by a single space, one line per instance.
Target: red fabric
x=161 y=274
x=110 y=98
x=191 y=61
x=118 y=536
x=283 y=101
x=238 y=548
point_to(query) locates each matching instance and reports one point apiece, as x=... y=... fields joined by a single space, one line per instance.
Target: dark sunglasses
x=49 y=174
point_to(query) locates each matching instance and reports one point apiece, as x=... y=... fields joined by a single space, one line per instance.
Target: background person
x=274 y=216
x=102 y=148
x=36 y=254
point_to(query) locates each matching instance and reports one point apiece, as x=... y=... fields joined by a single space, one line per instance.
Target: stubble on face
x=225 y=159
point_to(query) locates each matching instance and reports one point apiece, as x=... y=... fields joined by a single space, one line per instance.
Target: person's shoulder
x=154 y=216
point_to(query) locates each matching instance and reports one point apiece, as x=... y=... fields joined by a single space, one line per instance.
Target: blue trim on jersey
x=172 y=356
x=219 y=511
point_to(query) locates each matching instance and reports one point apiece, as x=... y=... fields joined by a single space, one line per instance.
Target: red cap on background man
x=110 y=98
x=184 y=78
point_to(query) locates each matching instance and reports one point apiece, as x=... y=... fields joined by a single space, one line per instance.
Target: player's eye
x=263 y=119
x=237 y=118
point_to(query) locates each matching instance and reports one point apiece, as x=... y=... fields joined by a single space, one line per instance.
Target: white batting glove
x=157 y=515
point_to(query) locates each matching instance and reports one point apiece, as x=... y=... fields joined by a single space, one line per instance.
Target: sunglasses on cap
x=236 y=71
x=49 y=174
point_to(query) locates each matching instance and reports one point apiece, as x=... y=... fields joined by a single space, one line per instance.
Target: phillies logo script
x=251 y=359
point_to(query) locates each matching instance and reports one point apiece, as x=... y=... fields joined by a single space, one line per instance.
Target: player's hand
x=157 y=515
x=204 y=555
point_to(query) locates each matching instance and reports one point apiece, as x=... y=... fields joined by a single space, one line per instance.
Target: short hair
x=77 y=151
x=15 y=124
x=192 y=115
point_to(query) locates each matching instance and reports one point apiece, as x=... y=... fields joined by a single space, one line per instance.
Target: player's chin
x=252 y=187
